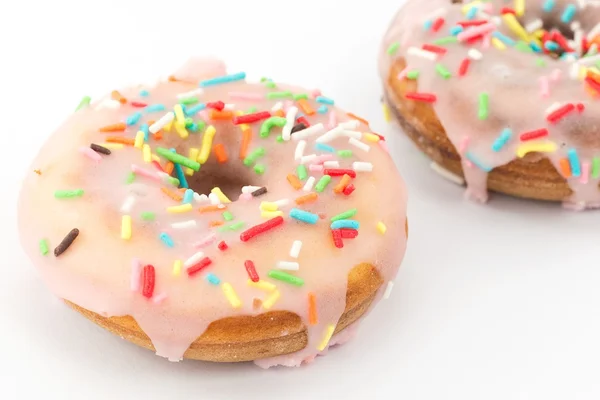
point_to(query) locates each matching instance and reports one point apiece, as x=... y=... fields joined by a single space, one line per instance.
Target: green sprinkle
x=266 y=127
x=345 y=215
x=189 y=100
x=484 y=101
x=280 y=95
x=524 y=47
x=279 y=139
x=43 y=247
x=597 y=64
x=393 y=48
x=443 y=71
x=254 y=156
x=173 y=181
x=148 y=216
x=345 y=153
x=596 y=167
x=301 y=172
x=130 y=178
x=178 y=158
x=188 y=122
x=252 y=110
x=264 y=79
x=322 y=184
x=413 y=75
x=84 y=103
x=271 y=85
x=201 y=125
x=285 y=277
x=445 y=40
x=67 y=194
x=300 y=96
x=227 y=216
x=540 y=62
x=259 y=169
x=236 y=226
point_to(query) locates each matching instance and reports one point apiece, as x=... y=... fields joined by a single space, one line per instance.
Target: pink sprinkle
x=315 y=167
x=556 y=74
x=204 y=115
x=245 y=197
x=86 y=151
x=332 y=120
x=322 y=158
x=315 y=93
x=476 y=31
x=462 y=148
x=488 y=8
x=145 y=173
x=159 y=298
x=136 y=273
x=485 y=43
x=245 y=96
x=384 y=146
x=206 y=241
x=544 y=86
x=585 y=172
x=402 y=75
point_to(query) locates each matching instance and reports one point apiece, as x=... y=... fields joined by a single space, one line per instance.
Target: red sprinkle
x=435 y=49
x=303 y=120
x=348 y=233
x=580 y=108
x=507 y=10
x=437 y=24
x=339 y=172
x=426 y=97
x=349 y=189
x=157 y=166
x=251 y=270
x=464 y=67
x=250 y=118
x=560 y=113
x=217 y=105
x=538 y=133
x=261 y=228
x=593 y=84
x=149 y=277
x=337 y=238
x=138 y=104
x=466 y=24
x=561 y=40
x=474 y=39
x=200 y=265
x=223 y=246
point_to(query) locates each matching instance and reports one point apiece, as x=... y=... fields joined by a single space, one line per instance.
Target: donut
x=210 y=218
x=500 y=95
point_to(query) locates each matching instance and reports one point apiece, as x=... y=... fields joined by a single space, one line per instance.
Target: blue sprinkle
x=211 y=278
x=155 y=108
x=472 y=13
x=223 y=79
x=144 y=93
x=193 y=127
x=324 y=147
x=133 y=118
x=144 y=128
x=345 y=223
x=535 y=47
x=427 y=25
x=180 y=175
x=574 y=161
x=548 y=6
x=478 y=163
x=455 y=30
x=166 y=239
x=304 y=216
x=502 y=139
x=503 y=38
x=552 y=46
x=188 y=196
x=324 y=100
x=193 y=110
x=568 y=14
x=322 y=110
x=300 y=115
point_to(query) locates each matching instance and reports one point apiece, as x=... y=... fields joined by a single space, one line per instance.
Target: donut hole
x=229 y=178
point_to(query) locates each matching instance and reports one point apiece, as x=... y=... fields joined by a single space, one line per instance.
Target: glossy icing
x=523 y=86
x=96 y=272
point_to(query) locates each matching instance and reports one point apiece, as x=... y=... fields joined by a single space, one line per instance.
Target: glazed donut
x=213 y=219
x=500 y=94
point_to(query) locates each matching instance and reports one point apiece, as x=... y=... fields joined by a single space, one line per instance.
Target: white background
x=492 y=302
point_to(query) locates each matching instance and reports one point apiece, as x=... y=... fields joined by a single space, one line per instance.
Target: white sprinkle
x=165 y=119
x=330 y=135
x=475 y=54
x=190 y=94
x=288 y=265
x=361 y=166
x=250 y=189
x=159 y=298
x=299 y=149
x=388 y=290
x=184 y=225
x=214 y=199
x=205 y=241
x=577 y=41
x=310 y=131
x=496 y=20
x=282 y=203
x=286 y=133
x=128 y=204
x=108 y=103
x=331 y=164
x=296 y=247
x=229 y=107
x=278 y=106
x=575 y=25
x=352 y=134
x=309 y=184
x=574 y=71
x=136 y=270
x=193 y=259
x=428 y=55
x=200 y=198
x=350 y=125
x=589 y=60
x=534 y=25
x=360 y=145
x=553 y=107
x=447 y=174
x=307 y=159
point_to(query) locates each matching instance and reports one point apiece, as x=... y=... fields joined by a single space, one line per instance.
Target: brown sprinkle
x=66 y=242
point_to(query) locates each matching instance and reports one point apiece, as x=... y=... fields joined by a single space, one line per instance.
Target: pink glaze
x=97 y=271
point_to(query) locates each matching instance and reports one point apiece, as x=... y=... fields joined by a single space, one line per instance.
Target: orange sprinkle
x=220 y=153
x=221 y=115
x=305 y=107
x=312 y=309
x=212 y=208
x=115 y=95
x=246 y=138
x=215 y=223
x=120 y=139
x=169 y=167
x=172 y=78
x=565 y=167
x=308 y=198
x=119 y=127
x=173 y=195
x=345 y=181
x=158 y=135
x=356 y=117
x=37 y=171
x=591 y=74
x=182 y=190
x=294 y=181
x=279 y=113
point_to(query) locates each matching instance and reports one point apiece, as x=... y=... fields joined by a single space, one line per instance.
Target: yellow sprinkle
x=540 y=147
x=271 y=214
x=139 y=140
x=180 y=208
x=498 y=44
x=168 y=126
x=262 y=285
x=113 y=146
x=520 y=7
x=231 y=295
x=180 y=128
x=511 y=21
x=271 y=300
x=224 y=199
x=209 y=134
x=126 y=227
x=177 y=267
x=179 y=117
x=147 y=153
x=268 y=206
x=155 y=158
x=371 y=137
x=328 y=334
x=381 y=228
x=594 y=70
x=386 y=113
x=539 y=33
x=582 y=73
x=193 y=156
